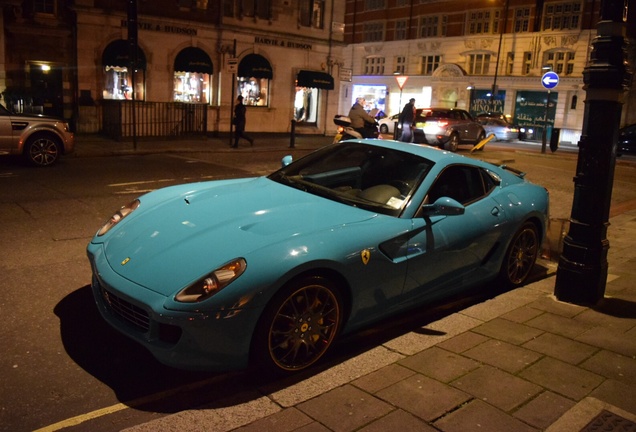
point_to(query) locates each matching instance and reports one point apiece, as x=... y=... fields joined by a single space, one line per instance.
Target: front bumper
x=205 y=340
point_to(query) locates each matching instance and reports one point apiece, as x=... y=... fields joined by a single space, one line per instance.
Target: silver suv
x=447 y=128
x=39 y=139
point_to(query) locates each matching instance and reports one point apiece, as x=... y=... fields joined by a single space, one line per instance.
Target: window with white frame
x=483 y=21
x=311 y=13
x=374 y=65
x=433 y=26
x=373 y=32
x=562 y=16
x=478 y=64
x=400 y=65
x=522 y=20
x=527 y=63
x=561 y=62
x=401 y=29
x=510 y=63
x=429 y=63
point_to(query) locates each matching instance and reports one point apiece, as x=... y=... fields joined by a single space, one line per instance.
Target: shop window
x=118 y=83
x=191 y=87
x=255 y=91
x=306 y=105
x=192 y=72
x=118 y=73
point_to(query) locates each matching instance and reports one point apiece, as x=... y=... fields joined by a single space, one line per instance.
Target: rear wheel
x=42 y=150
x=520 y=256
x=298 y=326
x=453 y=143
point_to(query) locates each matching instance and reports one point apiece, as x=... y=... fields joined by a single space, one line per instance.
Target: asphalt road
x=62 y=366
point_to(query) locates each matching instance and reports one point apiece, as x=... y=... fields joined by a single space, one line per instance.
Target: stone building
x=77 y=59
x=480 y=55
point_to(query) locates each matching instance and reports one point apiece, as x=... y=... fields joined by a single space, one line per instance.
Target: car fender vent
x=19 y=125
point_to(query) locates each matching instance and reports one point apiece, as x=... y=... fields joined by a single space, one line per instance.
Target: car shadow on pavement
x=141 y=382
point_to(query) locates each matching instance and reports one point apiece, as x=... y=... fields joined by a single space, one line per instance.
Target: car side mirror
x=286 y=160
x=444 y=206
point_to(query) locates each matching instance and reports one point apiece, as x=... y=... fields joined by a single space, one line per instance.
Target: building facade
x=281 y=55
x=480 y=55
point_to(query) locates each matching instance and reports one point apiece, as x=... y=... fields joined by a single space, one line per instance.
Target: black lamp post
x=582 y=272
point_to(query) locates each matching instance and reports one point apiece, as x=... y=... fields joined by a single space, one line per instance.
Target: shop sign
x=282 y=43
x=232 y=64
x=163 y=28
x=346 y=74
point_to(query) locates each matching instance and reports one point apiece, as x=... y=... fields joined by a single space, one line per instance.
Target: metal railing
x=153 y=119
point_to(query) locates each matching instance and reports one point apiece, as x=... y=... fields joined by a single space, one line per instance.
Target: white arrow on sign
x=550 y=80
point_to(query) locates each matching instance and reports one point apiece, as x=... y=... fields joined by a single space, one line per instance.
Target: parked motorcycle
x=345 y=131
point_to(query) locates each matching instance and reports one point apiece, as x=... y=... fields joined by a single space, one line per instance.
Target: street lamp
x=502 y=29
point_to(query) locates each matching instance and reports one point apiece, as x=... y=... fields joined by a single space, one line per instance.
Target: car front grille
x=128 y=312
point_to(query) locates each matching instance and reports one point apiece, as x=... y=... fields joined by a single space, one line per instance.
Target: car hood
x=180 y=234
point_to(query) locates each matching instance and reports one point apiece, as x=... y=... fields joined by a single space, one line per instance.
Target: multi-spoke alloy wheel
x=42 y=151
x=521 y=255
x=300 y=325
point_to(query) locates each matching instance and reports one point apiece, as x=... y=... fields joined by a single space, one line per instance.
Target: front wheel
x=42 y=151
x=453 y=143
x=384 y=129
x=298 y=326
x=520 y=256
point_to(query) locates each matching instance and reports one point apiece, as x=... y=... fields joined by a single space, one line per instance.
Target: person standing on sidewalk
x=239 y=123
x=407 y=120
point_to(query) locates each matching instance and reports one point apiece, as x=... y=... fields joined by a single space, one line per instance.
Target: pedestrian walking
x=239 y=123
x=407 y=120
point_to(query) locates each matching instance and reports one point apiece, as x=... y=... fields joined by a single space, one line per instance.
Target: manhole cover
x=608 y=421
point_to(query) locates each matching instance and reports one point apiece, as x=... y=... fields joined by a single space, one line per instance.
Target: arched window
x=118 y=71
x=192 y=72
x=254 y=75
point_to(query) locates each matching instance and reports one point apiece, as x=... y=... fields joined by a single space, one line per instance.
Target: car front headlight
x=118 y=216
x=212 y=283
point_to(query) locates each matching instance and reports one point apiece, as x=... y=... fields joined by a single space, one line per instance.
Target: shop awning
x=254 y=65
x=315 y=79
x=117 y=53
x=193 y=59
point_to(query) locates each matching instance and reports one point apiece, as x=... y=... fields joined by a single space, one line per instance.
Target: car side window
x=462 y=183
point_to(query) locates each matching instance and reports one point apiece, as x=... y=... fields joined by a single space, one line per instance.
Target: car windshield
x=374 y=178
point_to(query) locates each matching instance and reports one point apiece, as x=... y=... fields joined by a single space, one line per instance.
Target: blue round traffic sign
x=550 y=80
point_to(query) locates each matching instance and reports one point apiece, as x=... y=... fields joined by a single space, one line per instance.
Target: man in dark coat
x=407 y=120
x=239 y=123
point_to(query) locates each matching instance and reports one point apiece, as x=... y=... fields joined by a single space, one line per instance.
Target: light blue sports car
x=269 y=271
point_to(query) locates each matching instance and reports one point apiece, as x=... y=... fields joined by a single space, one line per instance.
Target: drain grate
x=608 y=421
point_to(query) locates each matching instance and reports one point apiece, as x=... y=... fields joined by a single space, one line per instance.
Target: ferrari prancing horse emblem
x=366 y=256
